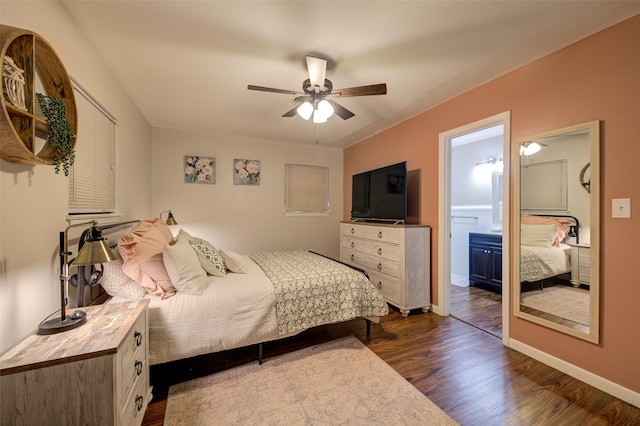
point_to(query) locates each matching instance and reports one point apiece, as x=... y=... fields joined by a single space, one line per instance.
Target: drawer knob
x=380 y=250
x=137 y=337
x=353 y=231
x=138 y=367
x=139 y=402
x=352 y=257
x=380 y=234
x=379 y=285
x=353 y=244
x=379 y=266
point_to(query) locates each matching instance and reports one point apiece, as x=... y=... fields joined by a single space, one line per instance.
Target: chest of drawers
x=396 y=257
x=96 y=374
x=580 y=264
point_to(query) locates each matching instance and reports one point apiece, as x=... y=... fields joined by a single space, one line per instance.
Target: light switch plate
x=621 y=208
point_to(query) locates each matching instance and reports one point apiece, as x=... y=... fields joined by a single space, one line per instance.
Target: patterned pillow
x=117 y=283
x=209 y=256
x=234 y=261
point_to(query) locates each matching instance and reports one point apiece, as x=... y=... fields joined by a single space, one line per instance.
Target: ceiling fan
x=316 y=98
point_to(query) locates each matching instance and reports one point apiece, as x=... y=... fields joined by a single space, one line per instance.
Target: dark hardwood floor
x=465 y=371
x=478 y=307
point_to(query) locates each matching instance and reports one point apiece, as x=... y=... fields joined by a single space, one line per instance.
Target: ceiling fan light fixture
x=325 y=108
x=529 y=148
x=319 y=117
x=305 y=110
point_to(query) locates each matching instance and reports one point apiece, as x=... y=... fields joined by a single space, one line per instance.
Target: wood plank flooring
x=465 y=371
x=478 y=307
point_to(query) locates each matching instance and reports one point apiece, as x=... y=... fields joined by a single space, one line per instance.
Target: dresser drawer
x=354 y=230
x=373 y=248
x=371 y=262
x=584 y=257
x=384 y=233
x=584 y=274
x=391 y=288
x=134 y=341
x=135 y=403
x=133 y=371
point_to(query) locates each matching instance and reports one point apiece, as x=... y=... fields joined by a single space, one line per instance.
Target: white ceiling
x=187 y=64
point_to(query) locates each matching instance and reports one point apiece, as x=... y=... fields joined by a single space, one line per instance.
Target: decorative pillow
x=537 y=235
x=183 y=267
x=117 y=283
x=210 y=258
x=561 y=226
x=141 y=250
x=234 y=261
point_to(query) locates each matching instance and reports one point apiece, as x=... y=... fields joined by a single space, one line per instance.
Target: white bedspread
x=239 y=310
x=537 y=263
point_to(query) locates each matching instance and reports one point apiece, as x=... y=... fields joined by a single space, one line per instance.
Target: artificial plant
x=61 y=137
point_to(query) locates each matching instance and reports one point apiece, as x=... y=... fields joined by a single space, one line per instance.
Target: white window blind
x=92 y=180
x=543 y=186
x=306 y=189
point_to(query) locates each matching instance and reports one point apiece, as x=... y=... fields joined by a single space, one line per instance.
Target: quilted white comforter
x=537 y=263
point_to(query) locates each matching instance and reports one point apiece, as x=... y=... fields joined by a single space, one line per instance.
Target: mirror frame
x=594 y=204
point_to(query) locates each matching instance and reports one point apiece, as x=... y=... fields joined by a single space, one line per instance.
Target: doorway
x=473 y=224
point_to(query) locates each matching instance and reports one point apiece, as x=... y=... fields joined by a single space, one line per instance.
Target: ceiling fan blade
x=372 y=89
x=271 y=89
x=291 y=112
x=340 y=111
x=317 y=70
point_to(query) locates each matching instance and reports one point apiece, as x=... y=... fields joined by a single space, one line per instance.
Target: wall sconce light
x=170 y=219
x=94 y=250
x=493 y=163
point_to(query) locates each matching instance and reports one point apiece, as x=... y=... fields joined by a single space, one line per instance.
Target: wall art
x=246 y=172
x=199 y=169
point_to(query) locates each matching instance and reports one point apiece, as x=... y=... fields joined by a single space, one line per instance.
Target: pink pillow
x=141 y=250
x=562 y=226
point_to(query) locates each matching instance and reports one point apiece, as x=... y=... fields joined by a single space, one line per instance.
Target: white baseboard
x=436 y=310
x=581 y=374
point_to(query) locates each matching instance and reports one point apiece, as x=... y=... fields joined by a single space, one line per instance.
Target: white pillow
x=537 y=235
x=234 y=261
x=116 y=283
x=183 y=267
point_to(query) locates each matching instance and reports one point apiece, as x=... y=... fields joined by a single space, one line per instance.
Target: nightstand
x=580 y=264
x=95 y=374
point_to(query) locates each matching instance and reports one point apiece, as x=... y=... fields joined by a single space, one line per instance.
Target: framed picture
x=198 y=169
x=246 y=172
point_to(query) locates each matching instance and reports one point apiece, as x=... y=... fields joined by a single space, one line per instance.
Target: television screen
x=380 y=194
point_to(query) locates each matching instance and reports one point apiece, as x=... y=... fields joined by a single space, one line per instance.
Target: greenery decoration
x=61 y=137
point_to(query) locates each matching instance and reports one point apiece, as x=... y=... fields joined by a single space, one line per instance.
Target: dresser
x=485 y=261
x=96 y=374
x=396 y=257
x=580 y=264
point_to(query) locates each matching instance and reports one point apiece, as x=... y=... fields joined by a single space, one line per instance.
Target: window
x=306 y=189
x=92 y=180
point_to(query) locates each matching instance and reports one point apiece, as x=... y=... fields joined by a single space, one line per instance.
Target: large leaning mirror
x=557 y=215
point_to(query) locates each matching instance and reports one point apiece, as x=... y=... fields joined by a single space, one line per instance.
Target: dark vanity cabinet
x=485 y=261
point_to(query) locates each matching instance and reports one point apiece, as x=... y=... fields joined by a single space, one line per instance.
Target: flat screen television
x=380 y=194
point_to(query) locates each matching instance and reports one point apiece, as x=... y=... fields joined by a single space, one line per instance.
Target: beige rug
x=339 y=382
x=562 y=301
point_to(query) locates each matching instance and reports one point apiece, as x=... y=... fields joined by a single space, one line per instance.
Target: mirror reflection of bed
x=557 y=211
x=547 y=288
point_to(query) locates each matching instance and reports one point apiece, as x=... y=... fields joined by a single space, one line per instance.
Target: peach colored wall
x=593 y=79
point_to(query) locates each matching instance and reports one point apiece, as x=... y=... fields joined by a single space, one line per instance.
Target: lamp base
x=57 y=325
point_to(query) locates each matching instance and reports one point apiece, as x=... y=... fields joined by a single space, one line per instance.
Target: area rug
x=562 y=301
x=340 y=382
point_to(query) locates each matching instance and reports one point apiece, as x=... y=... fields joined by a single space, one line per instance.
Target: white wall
x=245 y=219
x=33 y=207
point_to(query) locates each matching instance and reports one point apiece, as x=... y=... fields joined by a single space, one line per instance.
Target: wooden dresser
x=96 y=374
x=396 y=257
x=580 y=264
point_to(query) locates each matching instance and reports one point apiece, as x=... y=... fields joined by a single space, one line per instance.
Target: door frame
x=444 y=214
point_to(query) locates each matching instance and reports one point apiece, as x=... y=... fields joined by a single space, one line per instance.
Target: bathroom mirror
x=556 y=272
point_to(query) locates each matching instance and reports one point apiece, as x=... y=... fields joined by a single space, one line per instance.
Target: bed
x=543 y=251
x=212 y=300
